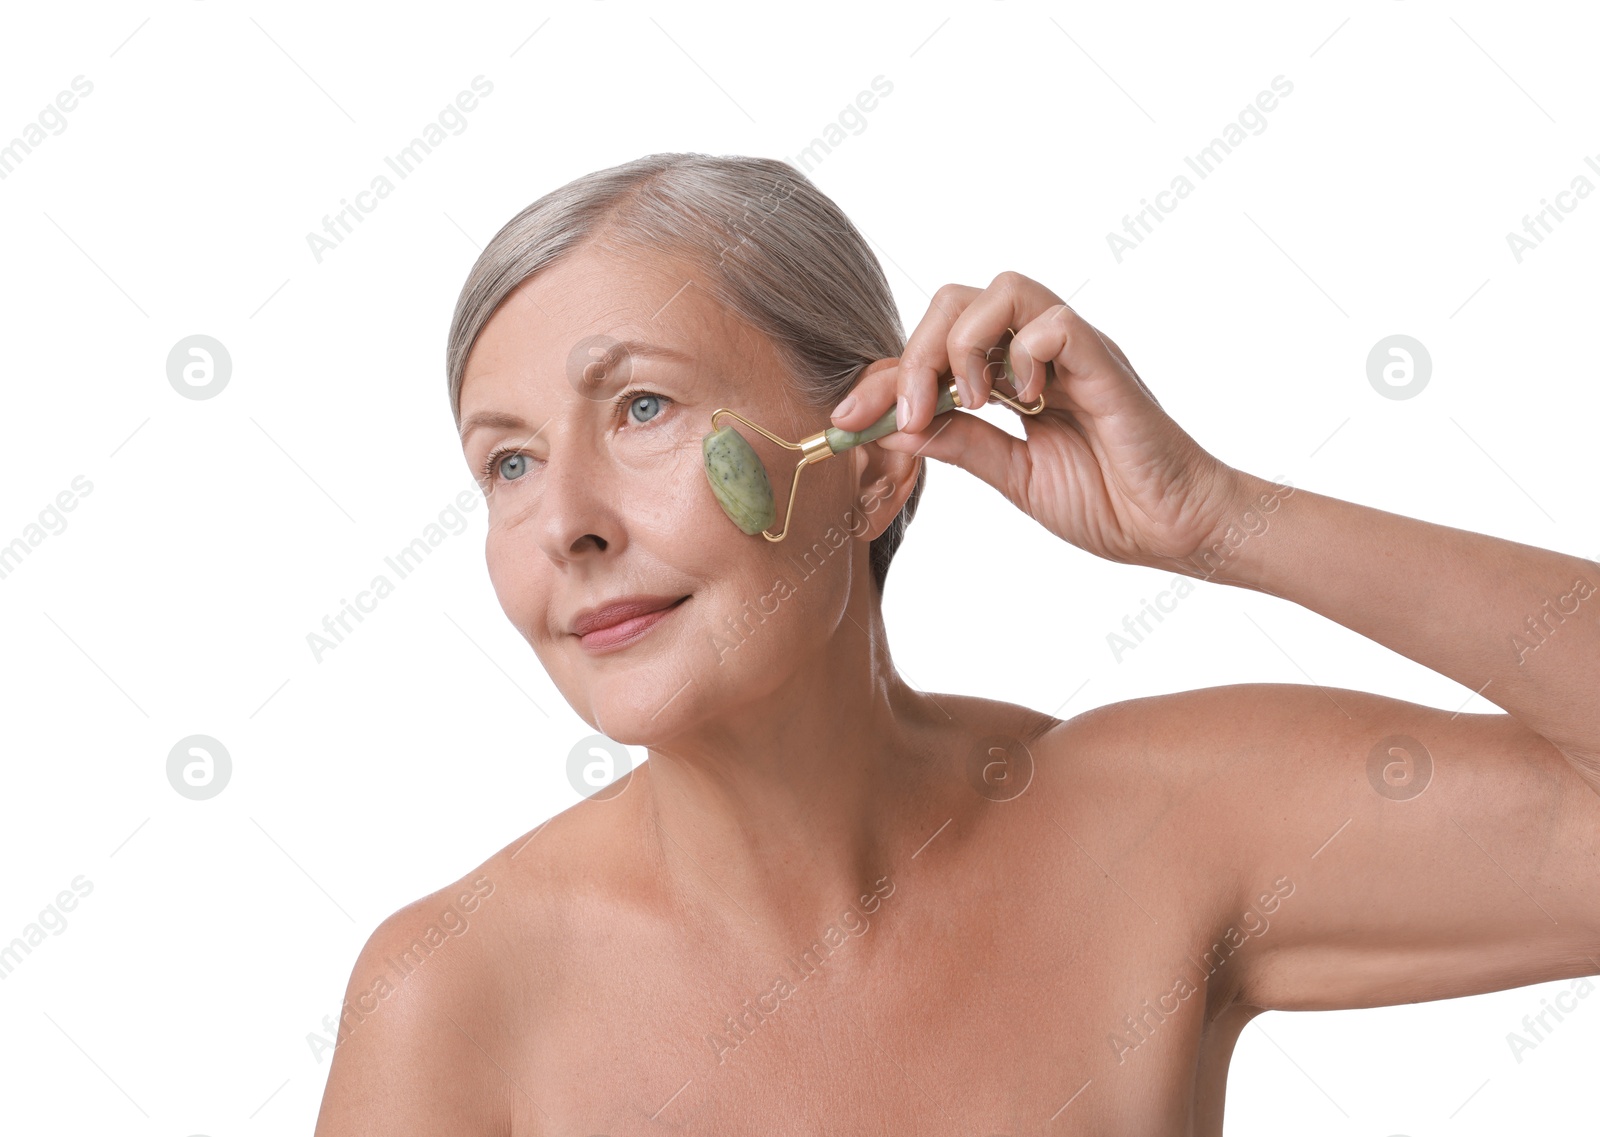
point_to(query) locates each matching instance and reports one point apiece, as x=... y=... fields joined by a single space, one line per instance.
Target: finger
x=1026 y=371
x=873 y=394
x=1011 y=301
x=1098 y=375
x=956 y=337
x=979 y=447
x=926 y=356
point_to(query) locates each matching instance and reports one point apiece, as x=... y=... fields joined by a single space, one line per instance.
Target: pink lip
x=627 y=632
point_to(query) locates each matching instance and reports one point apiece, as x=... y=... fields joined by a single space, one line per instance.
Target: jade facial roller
x=740 y=480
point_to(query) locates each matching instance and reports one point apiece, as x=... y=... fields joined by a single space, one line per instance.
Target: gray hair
x=779 y=255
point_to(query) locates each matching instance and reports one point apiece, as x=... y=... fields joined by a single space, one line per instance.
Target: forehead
x=568 y=314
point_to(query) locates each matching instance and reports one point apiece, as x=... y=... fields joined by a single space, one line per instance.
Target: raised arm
x=1439 y=853
x=1517 y=624
x=1424 y=853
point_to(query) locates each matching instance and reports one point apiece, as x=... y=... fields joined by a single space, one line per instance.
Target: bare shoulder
x=1184 y=739
x=448 y=988
x=1180 y=777
x=1278 y=748
x=538 y=897
x=408 y=1056
x=1163 y=795
x=1199 y=768
x=1429 y=853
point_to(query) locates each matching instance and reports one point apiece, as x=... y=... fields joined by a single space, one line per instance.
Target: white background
x=220 y=532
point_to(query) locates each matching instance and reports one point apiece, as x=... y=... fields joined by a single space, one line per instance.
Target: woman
x=830 y=902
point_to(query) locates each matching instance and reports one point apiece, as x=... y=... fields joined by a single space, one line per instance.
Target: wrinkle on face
x=611 y=518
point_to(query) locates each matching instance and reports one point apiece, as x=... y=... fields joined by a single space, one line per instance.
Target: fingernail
x=844 y=408
x=1018 y=382
x=902 y=413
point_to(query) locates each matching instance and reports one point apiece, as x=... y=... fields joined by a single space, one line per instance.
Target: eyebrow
x=630 y=348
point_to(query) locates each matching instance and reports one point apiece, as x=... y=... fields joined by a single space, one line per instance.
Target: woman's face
x=591 y=499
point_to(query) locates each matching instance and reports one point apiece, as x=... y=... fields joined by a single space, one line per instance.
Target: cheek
x=776 y=603
x=829 y=522
x=679 y=502
x=514 y=575
x=749 y=639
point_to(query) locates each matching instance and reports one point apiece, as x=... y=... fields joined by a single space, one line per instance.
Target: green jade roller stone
x=740 y=480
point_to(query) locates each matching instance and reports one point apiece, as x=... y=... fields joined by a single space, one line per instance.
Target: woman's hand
x=1102 y=466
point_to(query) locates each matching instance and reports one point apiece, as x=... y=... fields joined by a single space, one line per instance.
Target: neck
x=777 y=815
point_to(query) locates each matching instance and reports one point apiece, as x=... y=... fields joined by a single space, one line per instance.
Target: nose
x=576 y=512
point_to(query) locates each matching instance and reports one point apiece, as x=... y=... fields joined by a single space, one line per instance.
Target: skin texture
x=945 y=914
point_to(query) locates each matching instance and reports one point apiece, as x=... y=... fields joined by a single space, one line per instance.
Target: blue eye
x=629 y=399
x=496 y=463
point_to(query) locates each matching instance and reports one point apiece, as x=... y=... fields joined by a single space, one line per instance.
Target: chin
x=640 y=704
x=628 y=722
